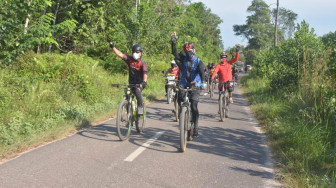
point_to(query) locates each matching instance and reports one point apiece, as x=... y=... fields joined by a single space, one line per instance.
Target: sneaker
x=140 y=110
x=195 y=135
x=231 y=100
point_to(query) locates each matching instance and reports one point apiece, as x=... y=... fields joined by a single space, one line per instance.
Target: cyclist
x=224 y=70
x=137 y=71
x=192 y=74
x=173 y=69
x=235 y=74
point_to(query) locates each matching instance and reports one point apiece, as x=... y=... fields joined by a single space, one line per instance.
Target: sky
x=319 y=14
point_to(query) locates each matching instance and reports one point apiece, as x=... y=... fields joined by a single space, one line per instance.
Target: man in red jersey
x=223 y=69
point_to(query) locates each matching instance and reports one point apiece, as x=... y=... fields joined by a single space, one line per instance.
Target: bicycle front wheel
x=141 y=120
x=222 y=107
x=169 y=95
x=184 y=120
x=211 y=90
x=124 y=120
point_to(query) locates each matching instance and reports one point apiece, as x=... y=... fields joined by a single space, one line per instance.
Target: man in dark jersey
x=192 y=74
x=137 y=71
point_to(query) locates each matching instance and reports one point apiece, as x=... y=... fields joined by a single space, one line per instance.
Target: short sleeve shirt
x=136 y=69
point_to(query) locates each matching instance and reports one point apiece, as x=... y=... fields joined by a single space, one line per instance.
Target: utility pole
x=276 y=25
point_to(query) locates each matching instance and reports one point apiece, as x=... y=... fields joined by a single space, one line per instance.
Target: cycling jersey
x=224 y=70
x=175 y=71
x=136 y=69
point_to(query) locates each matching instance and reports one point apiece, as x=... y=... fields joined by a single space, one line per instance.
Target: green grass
x=302 y=145
x=45 y=97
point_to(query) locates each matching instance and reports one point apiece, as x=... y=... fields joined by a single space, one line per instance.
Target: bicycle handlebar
x=128 y=85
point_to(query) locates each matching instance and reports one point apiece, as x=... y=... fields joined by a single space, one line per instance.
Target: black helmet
x=137 y=48
x=212 y=64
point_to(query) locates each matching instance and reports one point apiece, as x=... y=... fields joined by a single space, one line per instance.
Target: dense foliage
x=86 y=27
x=56 y=65
x=298 y=82
x=259 y=27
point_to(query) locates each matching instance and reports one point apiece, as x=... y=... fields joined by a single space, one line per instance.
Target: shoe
x=231 y=100
x=195 y=135
x=140 y=110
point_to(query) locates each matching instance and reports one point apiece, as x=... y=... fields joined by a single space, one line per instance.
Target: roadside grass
x=301 y=146
x=46 y=97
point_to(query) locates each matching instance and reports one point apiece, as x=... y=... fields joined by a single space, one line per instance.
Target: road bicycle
x=127 y=114
x=224 y=99
x=186 y=125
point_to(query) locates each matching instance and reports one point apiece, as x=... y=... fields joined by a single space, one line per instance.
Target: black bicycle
x=224 y=100
x=127 y=114
x=186 y=125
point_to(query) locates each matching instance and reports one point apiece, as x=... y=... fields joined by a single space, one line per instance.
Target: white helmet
x=173 y=63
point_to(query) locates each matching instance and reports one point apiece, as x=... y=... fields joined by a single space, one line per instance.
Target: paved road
x=229 y=154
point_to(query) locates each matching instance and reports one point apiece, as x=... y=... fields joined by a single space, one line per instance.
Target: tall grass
x=303 y=147
x=43 y=97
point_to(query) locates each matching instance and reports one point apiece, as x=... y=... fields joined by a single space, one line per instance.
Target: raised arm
x=233 y=60
x=116 y=51
x=173 y=45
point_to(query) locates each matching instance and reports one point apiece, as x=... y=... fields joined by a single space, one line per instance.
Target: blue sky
x=320 y=14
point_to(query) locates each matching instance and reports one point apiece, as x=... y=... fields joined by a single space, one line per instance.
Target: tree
x=258 y=28
x=286 y=21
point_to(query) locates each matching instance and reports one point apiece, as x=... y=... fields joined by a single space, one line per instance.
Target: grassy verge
x=301 y=147
x=45 y=97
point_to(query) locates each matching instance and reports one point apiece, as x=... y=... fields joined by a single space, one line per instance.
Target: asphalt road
x=229 y=154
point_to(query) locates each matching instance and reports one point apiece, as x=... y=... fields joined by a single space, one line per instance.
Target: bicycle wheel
x=184 y=120
x=141 y=120
x=124 y=120
x=169 y=97
x=222 y=107
x=227 y=107
x=176 y=107
x=211 y=90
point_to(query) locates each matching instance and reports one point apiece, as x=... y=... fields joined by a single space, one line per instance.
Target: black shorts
x=195 y=95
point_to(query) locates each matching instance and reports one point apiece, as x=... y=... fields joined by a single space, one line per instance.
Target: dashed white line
x=142 y=148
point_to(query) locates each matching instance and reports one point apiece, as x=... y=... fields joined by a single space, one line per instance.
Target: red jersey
x=175 y=71
x=224 y=69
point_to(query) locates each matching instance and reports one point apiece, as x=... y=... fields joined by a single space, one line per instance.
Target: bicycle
x=127 y=114
x=211 y=87
x=176 y=106
x=170 y=84
x=224 y=100
x=186 y=125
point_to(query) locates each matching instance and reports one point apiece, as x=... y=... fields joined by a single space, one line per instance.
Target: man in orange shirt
x=223 y=69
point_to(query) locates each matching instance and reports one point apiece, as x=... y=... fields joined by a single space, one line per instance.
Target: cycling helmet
x=223 y=55
x=137 y=48
x=188 y=46
x=173 y=63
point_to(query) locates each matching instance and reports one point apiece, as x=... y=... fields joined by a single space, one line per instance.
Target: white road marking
x=142 y=148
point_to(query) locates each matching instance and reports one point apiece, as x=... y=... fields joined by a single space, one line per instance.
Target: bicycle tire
x=141 y=121
x=124 y=124
x=226 y=107
x=169 y=98
x=211 y=90
x=222 y=107
x=184 y=120
x=176 y=108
